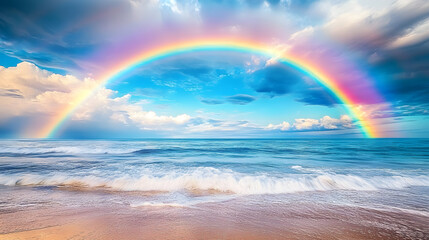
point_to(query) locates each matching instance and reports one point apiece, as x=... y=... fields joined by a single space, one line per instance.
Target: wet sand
x=225 y=220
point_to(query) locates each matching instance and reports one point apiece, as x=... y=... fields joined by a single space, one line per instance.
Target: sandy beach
x=234 y=219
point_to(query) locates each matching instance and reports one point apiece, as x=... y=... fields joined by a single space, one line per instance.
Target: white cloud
x=305 y=124
x=37 y=91
x=37 y=94
x=209 y=127
x=325 y=123
x=331 y=123
x=172 y=4
x=282 y=126
x=122 y=110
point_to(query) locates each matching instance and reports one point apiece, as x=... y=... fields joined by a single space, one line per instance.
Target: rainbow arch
x=147 y=56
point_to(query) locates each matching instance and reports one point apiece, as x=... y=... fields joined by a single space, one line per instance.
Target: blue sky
x=51 y=51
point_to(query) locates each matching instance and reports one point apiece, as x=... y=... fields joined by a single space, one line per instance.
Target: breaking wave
x=219 y=181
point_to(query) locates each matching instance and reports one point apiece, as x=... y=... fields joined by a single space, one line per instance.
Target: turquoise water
x=386 y=173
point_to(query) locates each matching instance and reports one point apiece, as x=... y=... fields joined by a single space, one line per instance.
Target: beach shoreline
x=233 y=219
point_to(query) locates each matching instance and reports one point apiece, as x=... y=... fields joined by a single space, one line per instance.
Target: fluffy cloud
x=228 y=128
x=28 y=91
x=282 y=126
x=331 y=123
x=307 y=124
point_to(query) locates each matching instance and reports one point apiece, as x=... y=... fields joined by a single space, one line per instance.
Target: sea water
x=390 y=174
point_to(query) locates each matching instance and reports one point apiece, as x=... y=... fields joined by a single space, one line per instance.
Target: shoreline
x=221 y=220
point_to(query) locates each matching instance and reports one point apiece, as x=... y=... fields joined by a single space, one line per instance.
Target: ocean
x=383 y=175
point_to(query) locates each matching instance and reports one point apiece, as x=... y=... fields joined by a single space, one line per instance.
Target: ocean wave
x=96 y=149
x=205 y=150
x=213 y=180
x=28 y=151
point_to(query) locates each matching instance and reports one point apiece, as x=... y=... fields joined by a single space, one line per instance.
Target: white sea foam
x=216 y=180
x=306 y=170
x=157 y=204
x=389 y=209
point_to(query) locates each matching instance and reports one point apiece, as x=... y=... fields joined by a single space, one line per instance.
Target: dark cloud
x=275 y=79
x=403 y=74
x=14 y=93
x=382 y=29
x=241 y=99
x=400 y=71
x=317 y=97
x=56 y=33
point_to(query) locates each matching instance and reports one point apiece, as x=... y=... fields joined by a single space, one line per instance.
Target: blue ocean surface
x=373 y=173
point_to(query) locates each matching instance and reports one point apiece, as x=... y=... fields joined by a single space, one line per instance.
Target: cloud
x=123 y=111
x=214 y=126
x=43 y=94
x=375 y=25
x=193 y=73
x=35 y=95
x=386 y=40
x=55 y=34
x=15 y=93
x=241 y=99
x=275 y=79
x=27 y=89
x=317 y=96
x=306 y=124
x=282 y=126
x=65 y=35
x=409 y=110
x=331 y=123
x=309 y=124
x=415 y=35
x=211 y=101
x=391 y=36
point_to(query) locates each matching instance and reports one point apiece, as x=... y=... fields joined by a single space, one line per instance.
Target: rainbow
x=332 y=84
